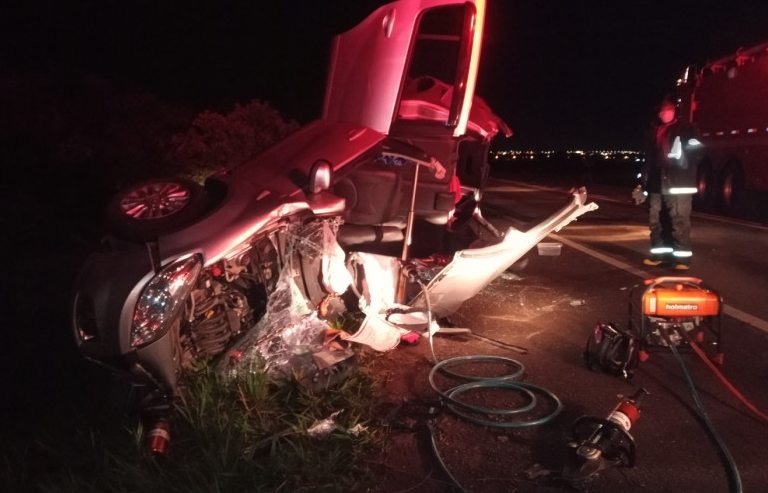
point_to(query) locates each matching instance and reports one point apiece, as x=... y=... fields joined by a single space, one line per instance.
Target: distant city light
x=546 y=154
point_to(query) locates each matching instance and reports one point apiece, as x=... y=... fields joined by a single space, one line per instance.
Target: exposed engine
x=232 y=295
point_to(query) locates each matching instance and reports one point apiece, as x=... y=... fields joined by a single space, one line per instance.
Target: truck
x=727 y=100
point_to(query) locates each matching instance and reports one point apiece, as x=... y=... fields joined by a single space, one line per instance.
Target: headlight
x=162 y=298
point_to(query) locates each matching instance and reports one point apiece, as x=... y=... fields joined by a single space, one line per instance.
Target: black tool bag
x=613 y=350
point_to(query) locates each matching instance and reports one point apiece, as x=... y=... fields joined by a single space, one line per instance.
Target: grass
x=241 y=435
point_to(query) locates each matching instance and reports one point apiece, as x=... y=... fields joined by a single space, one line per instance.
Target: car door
x=408 y=71
x=408 y=60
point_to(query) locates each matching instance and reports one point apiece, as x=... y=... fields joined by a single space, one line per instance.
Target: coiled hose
x=470 y=412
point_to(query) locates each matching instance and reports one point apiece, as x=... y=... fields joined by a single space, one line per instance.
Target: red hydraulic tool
x=601 y=443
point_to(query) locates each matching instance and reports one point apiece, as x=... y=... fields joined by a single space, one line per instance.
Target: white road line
x=711 y=217
x=602 y=257
x=739 y=315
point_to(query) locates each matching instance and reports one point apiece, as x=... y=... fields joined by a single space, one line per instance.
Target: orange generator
x=676 y=310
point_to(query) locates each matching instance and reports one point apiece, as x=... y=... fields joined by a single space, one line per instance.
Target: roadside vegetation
x=71 y=142
x=244 y=434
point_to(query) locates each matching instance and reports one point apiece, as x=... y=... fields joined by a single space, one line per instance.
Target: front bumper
x=104 y=299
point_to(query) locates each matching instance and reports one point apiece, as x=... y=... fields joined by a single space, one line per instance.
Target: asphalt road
x=550 y=305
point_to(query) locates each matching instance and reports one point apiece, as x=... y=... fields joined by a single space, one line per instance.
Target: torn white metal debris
x=472 y=270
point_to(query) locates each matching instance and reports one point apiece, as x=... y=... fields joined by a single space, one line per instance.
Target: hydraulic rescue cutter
x=602 y=443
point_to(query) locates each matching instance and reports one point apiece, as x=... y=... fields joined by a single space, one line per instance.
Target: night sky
x=565 y=74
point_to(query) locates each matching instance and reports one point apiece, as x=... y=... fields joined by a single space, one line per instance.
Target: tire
x=732 y=189
x=152 y=208
x=704 y=200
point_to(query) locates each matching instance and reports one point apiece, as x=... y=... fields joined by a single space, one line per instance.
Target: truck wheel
x=149 y=209
x=731 y=188
x=704 y=199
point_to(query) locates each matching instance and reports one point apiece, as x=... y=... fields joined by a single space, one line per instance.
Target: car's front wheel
x=151 y=208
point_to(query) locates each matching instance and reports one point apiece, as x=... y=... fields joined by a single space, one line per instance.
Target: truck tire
x=149 y=209
x=731 y=188
x=704 y=200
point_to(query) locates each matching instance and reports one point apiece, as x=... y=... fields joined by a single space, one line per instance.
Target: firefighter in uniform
x=668 y=179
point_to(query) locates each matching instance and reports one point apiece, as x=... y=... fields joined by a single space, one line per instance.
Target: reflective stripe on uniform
x=682 y=190
x=682 y=253
x=661 y=250
x=677 y=149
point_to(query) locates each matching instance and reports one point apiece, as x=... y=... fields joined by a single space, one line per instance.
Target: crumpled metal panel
x=471 y=270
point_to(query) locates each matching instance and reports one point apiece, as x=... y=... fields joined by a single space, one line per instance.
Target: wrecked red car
x=249 y=268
